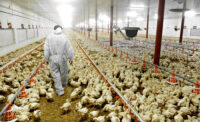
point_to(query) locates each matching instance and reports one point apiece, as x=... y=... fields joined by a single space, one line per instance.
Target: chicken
x=126 y=118
x=178 y=118
x=93 y=114
x=75 y=93
x=37 y=115
x=99 y=119
x=2 y=99
x=34 y=106
x=43 y=91
x=115 y=119
x=23 y=117
x=100 y=101
x=74 y=83
x=196 y=99
x=184 y=111
x=66 y=106
x=49 y=96
x=109 y=108
x=84 y=100
x=83 y=111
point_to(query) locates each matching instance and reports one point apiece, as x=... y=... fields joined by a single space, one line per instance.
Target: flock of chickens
x=27 y=108
x=149 y=93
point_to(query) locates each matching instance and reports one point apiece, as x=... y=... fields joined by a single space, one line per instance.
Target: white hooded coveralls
x=57 y=49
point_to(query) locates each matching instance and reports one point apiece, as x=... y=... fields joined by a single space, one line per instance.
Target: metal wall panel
x=195 y=32
x=6 y=37
x=30 y=33
x=21 y=34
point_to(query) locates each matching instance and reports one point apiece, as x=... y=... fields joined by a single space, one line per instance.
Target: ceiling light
x=78 y=25
x=137 y=6
x=190 y=13
x=92 y=21
x=140 y=19
x=63 y=1
x=119 y=21
x=104 y=18
x=65 y=13
x=155 y=16
x=127 y=20
x=132 y=14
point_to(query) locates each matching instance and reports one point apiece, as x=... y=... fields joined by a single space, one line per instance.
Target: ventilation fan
x=179 y=10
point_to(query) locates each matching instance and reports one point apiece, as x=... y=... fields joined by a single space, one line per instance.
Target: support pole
x=108 y=28
x=182 y=27
x=147 y=28
x=128 y=22
x=96 y=21
x=80 y=24
x=111 y=23
x=88 y=18
x=102 y=26
x=161 y=9
x=116 y=18
x=128 y=16
x=84 y=21
x=182 y=23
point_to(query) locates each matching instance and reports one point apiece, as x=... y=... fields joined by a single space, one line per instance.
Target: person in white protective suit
x=57 y=51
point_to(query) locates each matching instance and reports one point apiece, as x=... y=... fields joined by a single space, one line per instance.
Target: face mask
x=58 y=30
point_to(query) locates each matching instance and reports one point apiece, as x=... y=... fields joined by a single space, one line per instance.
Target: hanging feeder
x=131 y=31
x=89 y=29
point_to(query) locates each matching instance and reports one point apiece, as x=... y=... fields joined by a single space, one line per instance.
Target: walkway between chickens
x=51 y=110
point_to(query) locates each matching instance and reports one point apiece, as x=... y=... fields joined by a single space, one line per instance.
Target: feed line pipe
x=18 y=92
x=164 y=69
x=6 y=66
x=163 y=50
x=176 y=46
x=112 y=85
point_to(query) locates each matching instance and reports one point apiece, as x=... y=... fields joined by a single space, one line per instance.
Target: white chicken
x=75 y=93
x=66 y=106
x=49 y=96
x=2 y=99
x=93 y=114
x=37 y=115
x=99 y=119
x=34 y=106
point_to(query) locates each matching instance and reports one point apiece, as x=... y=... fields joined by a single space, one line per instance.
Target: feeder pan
x=89 y=29
x=178 y=10
x=131 y=31
x=176 y=29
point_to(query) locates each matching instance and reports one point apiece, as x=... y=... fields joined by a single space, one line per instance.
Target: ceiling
x=48 y=8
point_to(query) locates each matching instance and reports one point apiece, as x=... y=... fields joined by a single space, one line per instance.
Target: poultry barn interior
x=125 y=60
